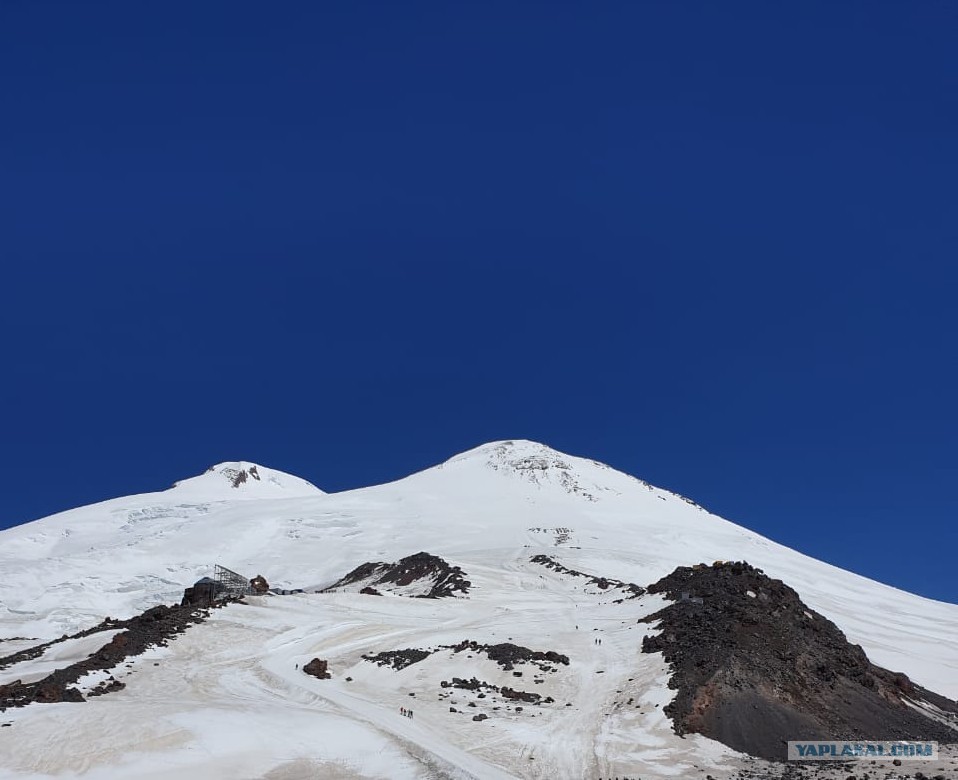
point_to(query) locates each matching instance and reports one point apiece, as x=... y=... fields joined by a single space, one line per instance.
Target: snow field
x=226 y=698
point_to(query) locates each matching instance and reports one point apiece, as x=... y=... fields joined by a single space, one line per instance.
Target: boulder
x=317 y=668
x=259 y=585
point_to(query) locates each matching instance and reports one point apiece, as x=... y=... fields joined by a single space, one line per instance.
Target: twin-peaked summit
x=528 y=461
x=489 y=510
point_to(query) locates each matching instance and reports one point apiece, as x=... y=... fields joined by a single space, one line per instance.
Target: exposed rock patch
x=239 y=477
x=539 y=465
x=154 y=627
x=398 y=659
x=107 y=686
x=629 y=589
x=29 y=653
x=421 y=575
x=477 y=686
x=259 y=585
x=318 y=668
x=505 y=654
x=755 y=667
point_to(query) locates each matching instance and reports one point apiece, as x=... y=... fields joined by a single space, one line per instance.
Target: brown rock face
x=317 y=668
x=240 y=477
x=259 y=584
x=373 y=577
x=155 y=627
x=753 y=667
x=51 y=694
x=629 y=590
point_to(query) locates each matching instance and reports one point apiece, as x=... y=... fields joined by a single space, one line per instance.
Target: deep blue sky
x=711 y=244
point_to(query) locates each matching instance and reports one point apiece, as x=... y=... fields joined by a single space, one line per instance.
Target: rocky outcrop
x=107 y=686
x=36 y=651
x=317 y=668
x=259 y=585
x=506 y=654
x=397 y=659
x=478 y=686
x=629 y=590
x=430 y=574
x=154 y=627
x=511 y=693
x=754 y=667
x=239 y=477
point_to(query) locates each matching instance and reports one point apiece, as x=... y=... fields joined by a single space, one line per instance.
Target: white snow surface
x=242 y=479
x=227 y=700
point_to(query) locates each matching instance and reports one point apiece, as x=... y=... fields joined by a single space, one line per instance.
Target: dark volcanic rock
x=478 y=686
x=107 y=686
x=511 y=693
x=507 y=655
x=154 y=627
x=29 y=653
x=241 y=476
x=259 y=585
x=362 y=572
x=629 y=589
x=755 y=667
x=443 y=579
x=53 y=693
x=317 y=668
x=397 y=659
x=467 y=685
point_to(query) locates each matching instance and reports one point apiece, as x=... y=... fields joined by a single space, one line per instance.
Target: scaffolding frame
x=229 y=583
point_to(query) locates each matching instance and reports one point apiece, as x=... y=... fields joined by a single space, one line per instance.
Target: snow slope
x=488 y=510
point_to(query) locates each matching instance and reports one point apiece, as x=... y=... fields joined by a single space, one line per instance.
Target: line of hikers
x=406 y=713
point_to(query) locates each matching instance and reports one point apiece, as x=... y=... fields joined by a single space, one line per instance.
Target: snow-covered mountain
x=239 y=479
x=227 y=698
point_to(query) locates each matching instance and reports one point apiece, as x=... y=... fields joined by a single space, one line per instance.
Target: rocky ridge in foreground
x=754 y=667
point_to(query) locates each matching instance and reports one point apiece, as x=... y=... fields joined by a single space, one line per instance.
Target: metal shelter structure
x=229 y=583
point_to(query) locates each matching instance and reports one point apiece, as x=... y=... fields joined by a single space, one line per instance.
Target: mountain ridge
x=557 y=552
